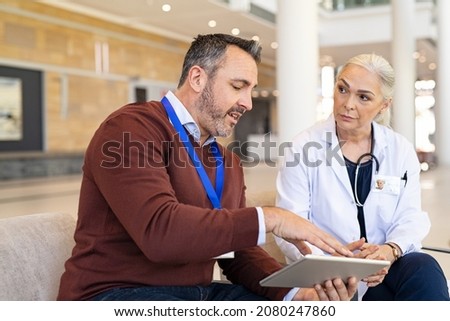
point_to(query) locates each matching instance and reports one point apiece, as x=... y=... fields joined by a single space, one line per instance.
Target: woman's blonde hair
x=383 y=69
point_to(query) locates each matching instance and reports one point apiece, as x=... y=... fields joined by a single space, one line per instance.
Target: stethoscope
x=358 y=165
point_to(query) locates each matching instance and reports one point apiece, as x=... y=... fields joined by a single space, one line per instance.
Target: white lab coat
x=313 y=182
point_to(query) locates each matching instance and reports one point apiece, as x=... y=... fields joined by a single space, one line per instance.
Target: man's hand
x=335 y=290
x=297 y=230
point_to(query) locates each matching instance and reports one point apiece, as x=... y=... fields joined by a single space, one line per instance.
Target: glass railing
x=339 y=5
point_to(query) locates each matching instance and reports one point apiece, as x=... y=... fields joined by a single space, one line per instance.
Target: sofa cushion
x=33 y=250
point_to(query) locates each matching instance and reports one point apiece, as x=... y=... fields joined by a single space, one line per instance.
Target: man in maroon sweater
x=161 y=201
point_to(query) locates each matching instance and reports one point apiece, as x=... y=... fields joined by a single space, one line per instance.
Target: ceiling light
x=274 y=45
x=235 y=31
x=255 y=38
x=212 y=23
x=166 y=7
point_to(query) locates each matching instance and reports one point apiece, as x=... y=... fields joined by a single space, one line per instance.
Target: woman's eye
x=364 y=98
x=341 y=89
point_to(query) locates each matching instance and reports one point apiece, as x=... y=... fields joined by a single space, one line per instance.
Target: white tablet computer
x=316 y=269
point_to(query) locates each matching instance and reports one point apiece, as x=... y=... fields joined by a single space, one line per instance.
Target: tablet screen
x=316 y=269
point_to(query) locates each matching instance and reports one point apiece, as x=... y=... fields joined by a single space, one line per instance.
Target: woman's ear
x=197 y=78
x=386 y=104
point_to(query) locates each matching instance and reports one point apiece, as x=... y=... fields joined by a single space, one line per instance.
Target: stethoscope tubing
x=358 y=165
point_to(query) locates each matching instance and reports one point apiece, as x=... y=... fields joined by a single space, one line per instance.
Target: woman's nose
x=349 y=104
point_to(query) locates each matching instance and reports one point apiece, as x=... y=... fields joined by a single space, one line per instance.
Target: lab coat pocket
x=386 y=206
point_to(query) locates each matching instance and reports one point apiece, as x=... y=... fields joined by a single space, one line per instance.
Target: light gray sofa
x=33 y=249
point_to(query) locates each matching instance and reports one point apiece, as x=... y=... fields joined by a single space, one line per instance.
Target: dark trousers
x=413 y=277
x=213 y=292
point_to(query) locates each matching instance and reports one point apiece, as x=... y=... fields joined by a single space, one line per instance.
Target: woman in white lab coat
x=379 y=214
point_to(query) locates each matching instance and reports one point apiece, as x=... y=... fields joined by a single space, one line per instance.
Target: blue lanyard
x=214 y=195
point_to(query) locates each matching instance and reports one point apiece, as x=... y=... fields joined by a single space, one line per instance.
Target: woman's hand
x=374 y=252
x=364 y=250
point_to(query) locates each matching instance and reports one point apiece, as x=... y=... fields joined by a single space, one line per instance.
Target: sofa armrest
x=33 y=250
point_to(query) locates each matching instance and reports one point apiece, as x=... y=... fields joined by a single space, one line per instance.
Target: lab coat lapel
x=334 y=157
x=380 y=143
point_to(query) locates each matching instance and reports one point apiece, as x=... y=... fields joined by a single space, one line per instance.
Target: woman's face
x=357 y=99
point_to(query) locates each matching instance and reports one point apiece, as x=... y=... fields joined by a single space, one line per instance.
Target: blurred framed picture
x=21 y=111
x=11 y=109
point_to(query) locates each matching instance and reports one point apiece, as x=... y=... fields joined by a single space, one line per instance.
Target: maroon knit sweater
x=144 y=217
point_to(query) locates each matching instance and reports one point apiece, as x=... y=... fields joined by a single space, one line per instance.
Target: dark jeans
x=413 y=277
x=213 y=292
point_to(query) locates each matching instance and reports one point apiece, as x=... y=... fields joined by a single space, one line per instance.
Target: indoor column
x=403 y=47
x=297 y=66
x=443 y=83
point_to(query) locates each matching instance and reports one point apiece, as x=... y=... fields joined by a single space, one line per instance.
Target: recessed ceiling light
x=255 y=38
x=274 y=45
x=166 y=7
x=235 y=31
x=212 y=23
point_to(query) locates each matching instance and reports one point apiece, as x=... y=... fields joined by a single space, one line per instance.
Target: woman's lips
x=346 y=118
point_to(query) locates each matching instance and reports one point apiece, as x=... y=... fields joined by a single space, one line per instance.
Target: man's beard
x=213 y=118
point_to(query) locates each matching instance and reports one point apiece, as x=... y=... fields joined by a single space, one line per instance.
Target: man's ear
x=197 y=78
